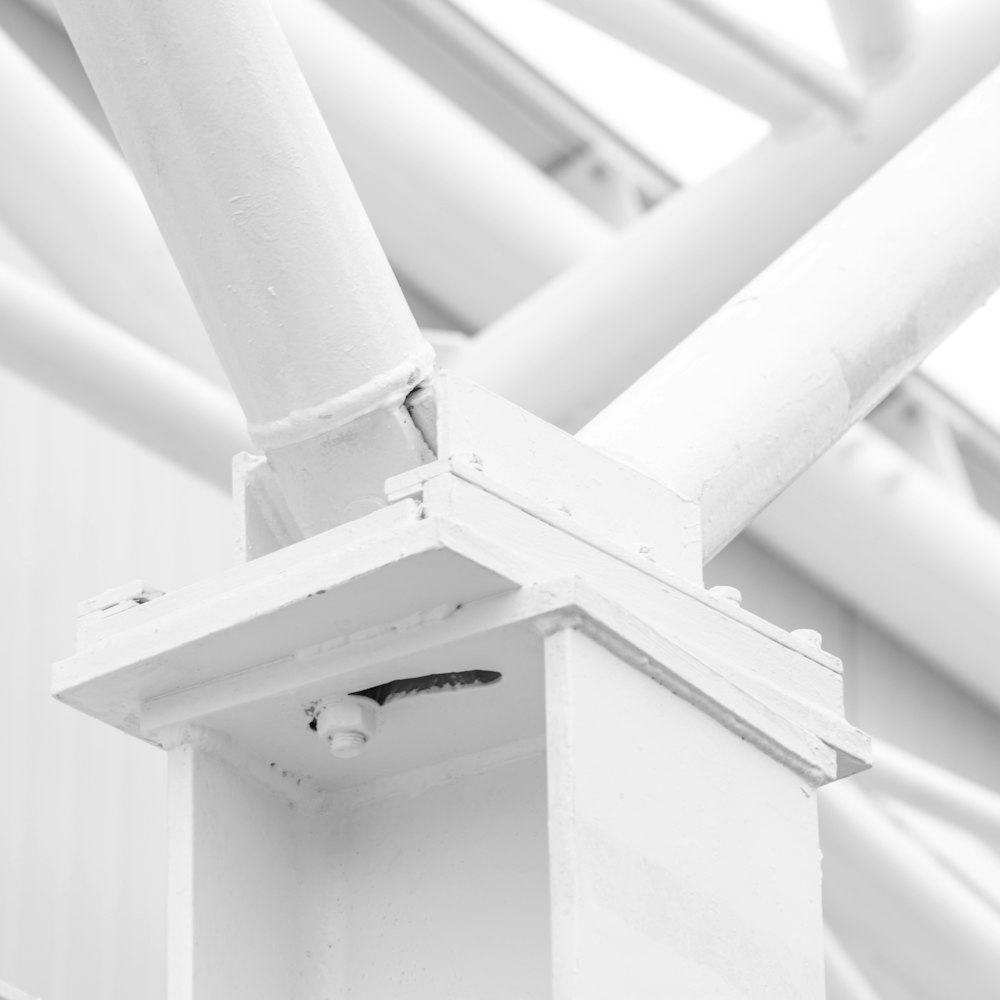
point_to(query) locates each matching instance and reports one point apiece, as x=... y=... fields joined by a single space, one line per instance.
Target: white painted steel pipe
x=8 y=992
x=40 y=37
x=85 y=361
x=744 y=405
x=876 y=36
x=844 y=980
x=828 y=86
x=936 y=790
x=887 y=536
x=463 y=217
x=268 y=232
x=906 y=908
x=678 y=40
x=571 y=348
x=72 y=202
x=14 y=254
x=253 y=200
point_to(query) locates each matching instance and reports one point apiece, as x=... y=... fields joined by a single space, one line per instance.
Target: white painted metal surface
x=936 y=790
x=461 y=216
x=63 y=184
x=828 y=86
x=682 y=42
x=40 y=37
x=228 y=674
x=937 y=577
x=886 y=896
x=269 y=235
x=569 y=350
x=877 y=37
x=8 y=992
x=669 y=878
x=738 y=410
x=116 y=378
x=844 y=980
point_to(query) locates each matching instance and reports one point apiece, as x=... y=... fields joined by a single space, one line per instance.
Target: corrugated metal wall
x=82 y=807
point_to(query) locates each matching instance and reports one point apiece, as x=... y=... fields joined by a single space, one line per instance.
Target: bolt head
x=730 y=594
x=809 y=636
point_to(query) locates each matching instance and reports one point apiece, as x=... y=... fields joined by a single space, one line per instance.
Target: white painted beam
x=901 y=905
x=40 y=36
x=571 y=348
x=87 y=362
x=844 y=980
x=886 y=536
x=19 y=258
x=8 y=992
x=270 y=236
x=829 y=87
x=687 y=45
x=501 y=227
x=457 y=52
x=463 y=217
x=877 y=37
x=936 y=790
x=745 y=404
x=72 y=202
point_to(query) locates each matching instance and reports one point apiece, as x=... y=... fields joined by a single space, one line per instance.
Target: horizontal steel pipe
x=745 y=404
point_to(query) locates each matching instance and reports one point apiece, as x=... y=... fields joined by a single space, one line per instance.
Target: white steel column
x=270 y=237
x=569 y=350
x=745 y=404
x=600 y=782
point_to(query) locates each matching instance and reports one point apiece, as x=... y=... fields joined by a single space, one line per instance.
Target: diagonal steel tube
x=746 y=403
x=571 y=348
x=216 y=120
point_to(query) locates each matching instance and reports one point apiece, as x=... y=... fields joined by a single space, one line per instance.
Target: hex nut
x=347 y=724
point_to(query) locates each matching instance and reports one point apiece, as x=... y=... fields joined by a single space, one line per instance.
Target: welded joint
x=385 y=391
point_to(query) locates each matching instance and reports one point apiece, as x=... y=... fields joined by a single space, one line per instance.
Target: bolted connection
x=346 y=724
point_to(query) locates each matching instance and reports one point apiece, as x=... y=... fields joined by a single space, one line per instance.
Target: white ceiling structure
x=508 y=154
